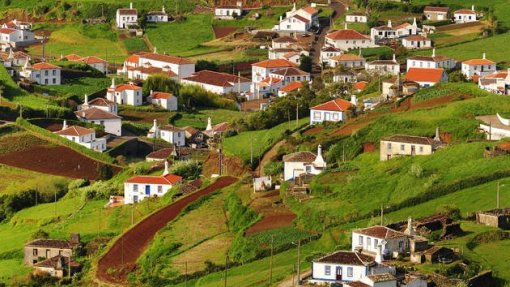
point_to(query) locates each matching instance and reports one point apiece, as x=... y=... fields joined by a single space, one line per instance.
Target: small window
x=421 y=149
x=389 y=145
x=369 y=241
x=34 y=252
x=376 y=242
x=135 y=187
x=360 y=240
x=327 y=270
x=402 y=147
x=349 y=271
x=160 y=189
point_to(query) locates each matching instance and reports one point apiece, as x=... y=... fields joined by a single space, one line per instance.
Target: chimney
x=64 y=125
x=394 y=58
x=163 y=9
x=155 y=124
x=131 y=5
x=483 y=56
x=433 y=52
x=345 y=26
x=354 y=100
x=294 y=7
x=75 y=238
x=378 y=255
x=152 y=92
x=437 y=137
x=359 y=54
x=414 y=22
x=319 y=160
x=281 y=18
x=389 y=23
x=239 y=4
x=209 y=124
x=86 y=101
x=155 y=50
x=472 y=7
x=113 y=83
x=166 y=168
x=410 y=229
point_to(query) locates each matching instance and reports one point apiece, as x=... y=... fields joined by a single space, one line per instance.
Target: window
x=327 y=270
x=34 y=252
x=376 y=242
x=60 y=252
x=360 y=240
x=316 y=115
x=160 y=189
x=135 y=187
x=349 y=271
x=389 y=145
x=369 y=241
x=421 y=149
x=402 y=147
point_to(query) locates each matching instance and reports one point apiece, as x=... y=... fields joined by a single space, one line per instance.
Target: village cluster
x=377 y=252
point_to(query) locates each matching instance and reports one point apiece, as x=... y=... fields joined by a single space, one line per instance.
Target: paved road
x=120 y=259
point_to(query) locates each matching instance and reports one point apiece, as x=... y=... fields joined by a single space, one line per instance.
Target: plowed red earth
x=220 y=32
x=57 y=160
x=121 y=258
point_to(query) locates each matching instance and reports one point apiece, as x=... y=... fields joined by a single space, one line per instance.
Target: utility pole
x=382 y=214
x=122 y=249
x=132 y=214
x=226 y=268
x=55 y=203
x=251 y=153
x=271 y=261
x=497 y=196
x=297 y=115
x=186 y=274
x=298 y=261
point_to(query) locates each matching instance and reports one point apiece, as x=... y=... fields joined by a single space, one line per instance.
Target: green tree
x=305 y=63
x=201 y=65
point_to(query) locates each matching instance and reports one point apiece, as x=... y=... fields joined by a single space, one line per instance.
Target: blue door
x=148 y=190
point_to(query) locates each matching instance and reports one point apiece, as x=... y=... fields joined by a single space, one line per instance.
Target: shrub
x=273 y=168
x=187 y=169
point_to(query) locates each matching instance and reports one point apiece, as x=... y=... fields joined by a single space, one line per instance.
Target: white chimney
x=239 y=4
x=394 y=58
x=483 y=55
x=86 y=101
x=281 y=18
x=113 y=83
x=209 y=124
x=433 y=52
x=410 y=229
x=389 y=23
x=155 y=50
x=354 y=100
x=345 y=26
x=163 y=9
x=152 y=92
x=437 y=136
x=166 y=172
x=472 y=7
x=131 y=5
x=414 y=22
x=319 y=160
x=294 y=7
x=64 y=125
x=378 y=254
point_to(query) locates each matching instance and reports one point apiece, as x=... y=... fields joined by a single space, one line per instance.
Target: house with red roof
x=124 y=94
x=15 y=37
x=436 y=13
x=289 y=75
x=347 y=61
x=219 y=83
x=139 y=187
x=112 y=123
x=15 y=24
x=157 y=16
x=407 y=29
x=298 y=20
x=164 y=100
x=433 y=61
x=497 y=82
x=348 y=39
x=262 y=69
x=465 y=15
x=289 y=88
x=374 y=239
x=82 y=136
x=391 y=67
x=93 y=61
x=14 y=59
x=328 y=52
x=331 y=111
x=303 y=162
x=126 y=17
x=141 y=65
x=42 y=73
x=229 y=12
x=383 y=32
x=478 y=67
x=427 y=77
x=416 y=42
x=99 y=103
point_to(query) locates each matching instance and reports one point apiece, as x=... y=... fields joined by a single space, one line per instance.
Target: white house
x=124 y=94
x=42 y=73
x=383 y=32
x=347 y=61
x=112 y=123
x=100 y=103
x=16 y=37
x=332 y=111
x=348 y=39
x=407 y=29
x=289 y=75
x=164 y=100
x=144 y=64
x=433 y=61
x=465 y=15
x=14 y=59
x=15 y=24
x=478 y=67
x=139 y=187
x=405 y=145
x=93 y=61
x=416 y=42
x=436 y=13
x=380 y=280
x=172 y=135
x=261 y=70
x=303 y=162
x=495 y=126
x=356 y=17
x=329 y=52
x=345 y=267
x=345 y=77
x=289 y=88
x=126 y=18
x=301 y=21
x=391 y=67
x=497 y=82
x=82 y=136
x=427 y=77
x=269 y=85
x=379 y=240
x=219 y=83
x=229 y=12
x=157 y=16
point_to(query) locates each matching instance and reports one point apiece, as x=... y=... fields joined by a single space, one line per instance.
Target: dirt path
x=339 y=9
x=120 y=259
x=268 y=156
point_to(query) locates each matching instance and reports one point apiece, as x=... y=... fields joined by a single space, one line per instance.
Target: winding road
x=120 y=259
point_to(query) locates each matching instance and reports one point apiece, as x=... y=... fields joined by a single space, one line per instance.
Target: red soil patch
x=124 y=253
x=220 y=32
x=57 y=160
x=368 y=147
x=272 y=221
x=314 y=130
x=275 y=215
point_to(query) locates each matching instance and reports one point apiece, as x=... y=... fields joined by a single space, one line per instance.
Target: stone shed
x=497 y=218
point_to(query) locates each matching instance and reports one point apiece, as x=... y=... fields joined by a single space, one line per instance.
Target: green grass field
x=15 y=180
x=269 y=17
x=135 y=45
x=239 y=145
x=199 y=119
x=78 y=87
x=181 y=38
x=91 y=40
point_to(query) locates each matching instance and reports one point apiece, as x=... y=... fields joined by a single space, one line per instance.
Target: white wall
x=132 y=190
x=349 y=44
x=370 y=243
x=174 y=137
x=481 y=70
x=318 y=116
x=319 y=272
x=397 y=149
x=111 y=126
x=43 y=77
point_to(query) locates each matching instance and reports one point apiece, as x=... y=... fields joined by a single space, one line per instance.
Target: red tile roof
x=436 y=9
x=75 y=131
x=161 y=95
x=166 y=58
x=216 y=78
x=378 y=231
x=300 y=156
x=275 y=63
x=7 y=30
x=92 y=60
x=169 y=179
x=403 y=25
x=44 y=66
x=301 y=18
x=291 y=87
x=269 y=80
x=347 y=258
x=425 y=75
x=133 y=59
x=416 y=38
x=100 y=102
x=347 y=57
x=125 y=11
x=95 y=114
x=346 y=34
x=73 y=57
x=290 y=72
x=465 y=11
x=336 y=105
x=310 y=10
x=360 y=85
x=127 y=87
x=478 y=62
